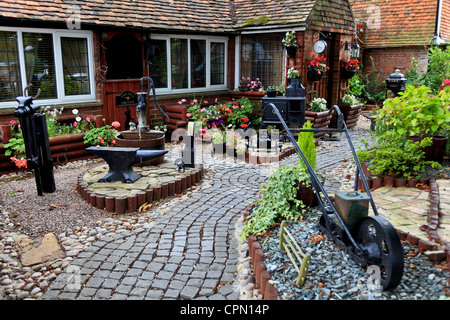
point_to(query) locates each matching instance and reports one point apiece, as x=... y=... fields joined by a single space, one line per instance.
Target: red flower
x=244 y=125
x=245 y=119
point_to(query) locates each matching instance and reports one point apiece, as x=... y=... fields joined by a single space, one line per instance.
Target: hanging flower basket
x=291 y=51
x=314 y=75
x=316 y=68
x=347 y=74
x=349 y=68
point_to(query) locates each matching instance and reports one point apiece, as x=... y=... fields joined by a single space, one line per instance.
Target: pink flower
x=203 y=110
x=205 y=102
x=75 y=124
x=88 y=119
x=188 y=115
x=180 y=102
x=195 y=101
x=183 y=100
x=116 y=124
x=13 y=122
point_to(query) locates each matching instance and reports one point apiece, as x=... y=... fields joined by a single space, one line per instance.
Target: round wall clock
x=320 y=46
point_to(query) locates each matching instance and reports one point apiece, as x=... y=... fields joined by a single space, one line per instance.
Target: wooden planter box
x=320 y=120
x=351 y=114
x=252 y=95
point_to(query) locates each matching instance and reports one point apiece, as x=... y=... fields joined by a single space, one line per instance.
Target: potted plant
x=291 y=44
x=316 y=68
x=271 y=91
x=350 y=108
x=418 y=113
x=295 y=87
x=349 y=67
x=306 y=142
x=252 y=89
x=396 y=156
x=317 y=113
x=217 y=139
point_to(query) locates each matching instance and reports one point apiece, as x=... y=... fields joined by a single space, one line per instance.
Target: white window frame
x=56 y=37
x=208 y=86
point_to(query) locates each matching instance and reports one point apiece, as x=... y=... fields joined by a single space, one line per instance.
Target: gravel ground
x=333 y=275
x=56 y=212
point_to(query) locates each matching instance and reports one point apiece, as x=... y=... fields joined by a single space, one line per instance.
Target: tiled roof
x=401 y=22
x=200 y=15
x=322 y=14
x=185 y=15
x=279 y=12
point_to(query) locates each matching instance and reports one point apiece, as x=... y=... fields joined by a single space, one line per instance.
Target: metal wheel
x=380 y=240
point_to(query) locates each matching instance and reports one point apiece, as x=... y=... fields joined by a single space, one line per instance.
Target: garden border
x=269 y=292
x=131 y=204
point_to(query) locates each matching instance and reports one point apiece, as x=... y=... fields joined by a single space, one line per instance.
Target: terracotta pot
x=361 y=184
x=365 y=168
x=411 y=182
x=399 y=182
x=377 y=183
x=388 y=182
x=436 y=151
x=307 y=195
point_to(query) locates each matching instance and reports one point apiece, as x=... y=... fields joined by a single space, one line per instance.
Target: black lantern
x=395 y=84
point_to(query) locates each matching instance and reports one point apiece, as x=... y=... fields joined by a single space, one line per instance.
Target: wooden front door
x=324 y=87
x=113 y=112
x=123 y=57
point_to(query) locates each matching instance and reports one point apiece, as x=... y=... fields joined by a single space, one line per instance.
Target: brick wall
x=386 y=60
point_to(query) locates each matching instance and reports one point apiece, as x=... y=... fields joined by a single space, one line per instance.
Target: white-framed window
x=180 y=64
x=59 y=62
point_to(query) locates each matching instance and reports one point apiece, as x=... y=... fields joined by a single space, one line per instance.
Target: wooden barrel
x=149 y=140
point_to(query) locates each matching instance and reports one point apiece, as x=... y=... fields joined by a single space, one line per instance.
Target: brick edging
x=262 y=277
x=130 y=204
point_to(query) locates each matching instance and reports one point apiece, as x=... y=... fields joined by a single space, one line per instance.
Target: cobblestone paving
x=189 y=252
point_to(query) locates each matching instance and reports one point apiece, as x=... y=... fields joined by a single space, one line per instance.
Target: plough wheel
x=384 y=249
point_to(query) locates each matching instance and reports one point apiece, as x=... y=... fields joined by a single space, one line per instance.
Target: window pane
x=198 y=63
x=217 y=63
x=179 y=57
x=262 y=57
x=40 y=64
x=156 y=54
x=75 y=66
x=10 y=86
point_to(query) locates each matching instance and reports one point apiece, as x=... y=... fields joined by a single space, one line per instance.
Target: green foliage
x=355 y=86
x=370 y=85
x=412 y=74
x=438 y=67
x=306 y=142
x=102 y=136
x=245 y=114
x=394 y=153
x=15 y=146
x=416 y=112
x=278 y=200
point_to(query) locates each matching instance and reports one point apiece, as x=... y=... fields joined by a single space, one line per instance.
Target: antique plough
x=368 y=240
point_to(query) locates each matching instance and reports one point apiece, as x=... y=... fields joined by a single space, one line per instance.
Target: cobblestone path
x=185 y=253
